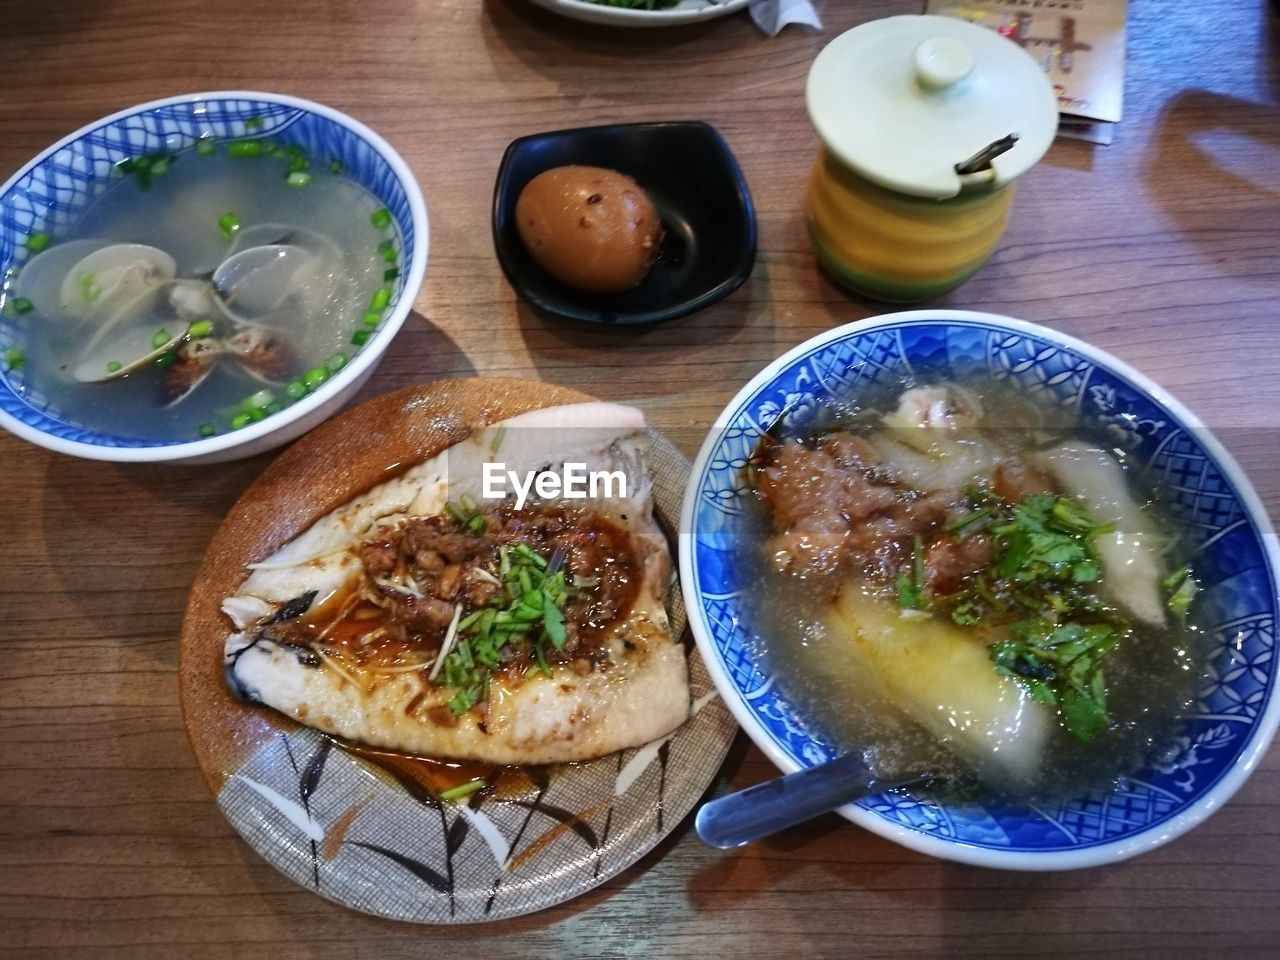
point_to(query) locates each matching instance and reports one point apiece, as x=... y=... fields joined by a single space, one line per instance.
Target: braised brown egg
x=590 y=228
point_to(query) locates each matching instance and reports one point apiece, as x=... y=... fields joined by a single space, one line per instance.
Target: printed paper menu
x=1079 y=43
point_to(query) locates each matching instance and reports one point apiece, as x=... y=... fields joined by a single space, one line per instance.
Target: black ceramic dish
x=709 y=226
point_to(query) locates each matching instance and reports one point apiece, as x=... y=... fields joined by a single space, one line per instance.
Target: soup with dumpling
x=952 y=580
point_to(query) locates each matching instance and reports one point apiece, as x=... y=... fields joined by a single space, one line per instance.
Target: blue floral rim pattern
x=53 y=191
x=1234 y=708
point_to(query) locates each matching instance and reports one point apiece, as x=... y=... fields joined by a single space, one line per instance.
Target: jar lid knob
x=942 y=62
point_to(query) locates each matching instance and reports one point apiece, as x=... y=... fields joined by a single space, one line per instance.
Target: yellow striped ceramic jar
x=910 y=193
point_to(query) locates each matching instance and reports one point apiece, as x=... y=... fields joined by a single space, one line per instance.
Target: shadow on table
x=647 y=360
x=1230 y=148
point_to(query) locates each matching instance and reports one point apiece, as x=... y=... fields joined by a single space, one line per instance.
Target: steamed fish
x=429 y=618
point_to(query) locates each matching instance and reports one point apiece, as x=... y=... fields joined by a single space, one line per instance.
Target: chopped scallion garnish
x=298 y=178
x=207 y=429
x=391 y=274
x=315 y=376
x=371 y=319
x=22 y=305
x=166 y=359
x=244 y=148
x=114 y=366
x=335 y=166
x=206 y=148
x=228 y=223
x=89 y=290
x=295 y=390
x=462 y=790
x=14 y=358
x=380 y=217
x=380 y=299
x=160 y=338
x=38 y=241
x=239 y=420
x=361 y=337
x=201 y=329
x=336 y=362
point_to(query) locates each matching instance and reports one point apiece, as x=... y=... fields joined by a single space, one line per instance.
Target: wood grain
x=1162 y=248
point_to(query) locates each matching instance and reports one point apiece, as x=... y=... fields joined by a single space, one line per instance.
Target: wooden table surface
x=1163 y=248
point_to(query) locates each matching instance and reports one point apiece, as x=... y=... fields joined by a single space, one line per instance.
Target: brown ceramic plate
x=368 y=829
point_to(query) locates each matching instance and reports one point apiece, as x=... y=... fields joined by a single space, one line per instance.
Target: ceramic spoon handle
x=768 y=807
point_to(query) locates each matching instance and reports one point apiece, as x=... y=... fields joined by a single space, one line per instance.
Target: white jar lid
x=903 y=100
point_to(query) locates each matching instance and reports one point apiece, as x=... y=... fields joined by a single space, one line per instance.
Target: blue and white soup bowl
x=54 y=189
x=1235 y=710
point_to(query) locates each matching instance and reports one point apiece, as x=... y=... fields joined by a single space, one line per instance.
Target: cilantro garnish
x=1182 y=588
x=911 y=587
x=1042 y=584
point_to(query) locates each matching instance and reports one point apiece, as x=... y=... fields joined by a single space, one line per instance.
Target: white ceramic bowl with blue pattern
x=1235 y=713
x=52 y=190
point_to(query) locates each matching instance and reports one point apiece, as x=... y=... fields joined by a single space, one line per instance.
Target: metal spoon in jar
x=774 y=805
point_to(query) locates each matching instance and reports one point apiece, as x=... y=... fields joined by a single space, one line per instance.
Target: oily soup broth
x=1149 y=676
x=179 y=214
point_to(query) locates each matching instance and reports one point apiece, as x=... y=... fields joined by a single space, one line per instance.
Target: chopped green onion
x=1182 y=588
x=255 y=400
x=252 y=123
x=335 y=166
x=206 y=148
x=371 y=319
x=336 y=362
x=361 y=337
x=124 y=166
x=257 y=414
x=38 y=241
x=113 y=366
x=462 y=790
x=389 y=275
x=207 y=429
x=553 y=623
x=201 y=328
x=244 y=148
x=477 y=525
x=295 y=390
x=228 y=223
x=299 y=163
x=14 y=358
x=388 y=250
x=239 y=420
x=381 y=217
x=165 y=359
x=22 y=305
x=315 y=376
x=380 y=299
x=272 y=407
x=160 y=338
x=962 y=527
x=297 y=178
x=542 y=660
x=161 y=165
x=89 y=290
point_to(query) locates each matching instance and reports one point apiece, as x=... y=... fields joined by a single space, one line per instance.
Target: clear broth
x=1150 y=677
x=179 y=213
